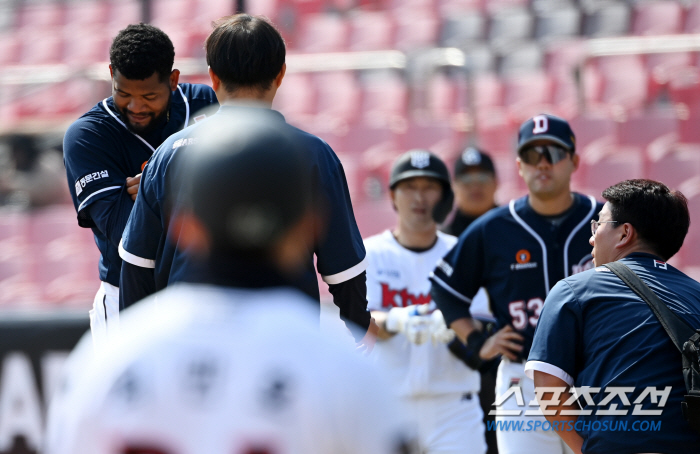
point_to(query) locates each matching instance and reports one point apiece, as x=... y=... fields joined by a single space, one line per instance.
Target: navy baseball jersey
x=341 y=256
x=595 y=331
x=517 y=255
x=100 y=153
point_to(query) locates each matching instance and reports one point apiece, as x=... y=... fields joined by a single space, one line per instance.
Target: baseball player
x=246 y=57
x=518 y=252
x=239 y=366
x=105 y=149
x=414 y=343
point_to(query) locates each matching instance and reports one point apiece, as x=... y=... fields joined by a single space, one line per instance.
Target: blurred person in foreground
x=246 y=57
x=594 y=331
x=235 y=363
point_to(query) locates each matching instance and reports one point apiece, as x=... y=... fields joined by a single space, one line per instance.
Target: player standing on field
x=105 y=150
x=237 y=364
x=414 y=344
x=246 y=58
x=518 y=252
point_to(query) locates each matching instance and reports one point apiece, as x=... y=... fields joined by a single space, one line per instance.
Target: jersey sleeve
x=459 y=275
x=374 y=287
x=139 y=244
x=91 y=168
x=341 y=255
x=554 y=348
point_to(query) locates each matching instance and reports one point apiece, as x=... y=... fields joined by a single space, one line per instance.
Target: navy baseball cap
x=546 y=127
x=473 y=159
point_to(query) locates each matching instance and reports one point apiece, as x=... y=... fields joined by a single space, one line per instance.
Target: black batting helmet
x=423 y=163
x=246 y=177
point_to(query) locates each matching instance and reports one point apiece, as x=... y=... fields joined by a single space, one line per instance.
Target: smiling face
x=143 y=104
x=414 y=199
x=545 y=180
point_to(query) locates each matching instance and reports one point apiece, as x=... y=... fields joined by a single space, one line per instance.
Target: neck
x=413 y=239
x=246 y=97
x=639 y=247
x=475 y=213
x=551 y=206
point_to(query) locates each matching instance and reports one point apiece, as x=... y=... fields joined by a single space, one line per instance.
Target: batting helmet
x=247 y=178
x=423 y=163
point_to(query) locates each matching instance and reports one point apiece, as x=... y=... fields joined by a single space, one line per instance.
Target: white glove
x=440 y=333
x=418 y=329
x=397 y=317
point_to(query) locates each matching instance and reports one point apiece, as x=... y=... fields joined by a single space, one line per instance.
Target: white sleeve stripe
x=82 y=205
x=347 y=274
x=454 y=292
x=135 y=259
x=547 y=368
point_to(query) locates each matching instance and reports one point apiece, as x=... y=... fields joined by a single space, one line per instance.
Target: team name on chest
x=402 y=297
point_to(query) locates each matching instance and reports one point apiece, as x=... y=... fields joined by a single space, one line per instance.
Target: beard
x=156 y=120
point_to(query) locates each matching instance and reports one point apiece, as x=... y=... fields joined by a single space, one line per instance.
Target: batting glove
x=397 y=317
x=418 y=329
x=440 y=333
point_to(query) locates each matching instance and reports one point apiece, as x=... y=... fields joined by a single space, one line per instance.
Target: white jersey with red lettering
x=398 y=277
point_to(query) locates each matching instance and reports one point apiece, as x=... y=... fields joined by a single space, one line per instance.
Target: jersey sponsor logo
x=89 y=178
x=182 y=142
x=391 y=273
x=522 y=257
x=660 y=264
x=584 y=264
x=199 y=118
x=401 y=298
x=541 y=124
x=445 y=267
x=420 y=159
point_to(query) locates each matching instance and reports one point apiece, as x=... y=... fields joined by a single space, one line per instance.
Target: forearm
x=111 y=214
x=463 y=327
x=351 y=298
x=135 y=284
x=553 y=412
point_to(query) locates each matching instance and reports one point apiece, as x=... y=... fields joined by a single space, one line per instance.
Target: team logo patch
x=541 y=124
x=420 y=159
x=89 y=178
x=143 y=166
x=471 y=157
x=660 y=264
x=182 y=142
x=522 y=258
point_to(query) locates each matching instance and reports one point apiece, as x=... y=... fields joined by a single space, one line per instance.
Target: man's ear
x=576 y=160
x=627 y=235
x=174 y=79
x=215 y=81
x=190 y=233
x=280 y=76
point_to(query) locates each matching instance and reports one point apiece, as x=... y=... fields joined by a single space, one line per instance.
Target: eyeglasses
x=552 y=153
x=595 y=224
x=475 y=177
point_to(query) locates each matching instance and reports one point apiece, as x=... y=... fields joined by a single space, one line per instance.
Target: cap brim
x=417 y=173
x=541 y=137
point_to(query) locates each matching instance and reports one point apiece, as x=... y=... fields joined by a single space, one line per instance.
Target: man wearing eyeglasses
x=517 y=253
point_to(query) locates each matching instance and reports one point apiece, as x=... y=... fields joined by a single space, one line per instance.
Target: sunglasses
x=552 y=153
x=475 y=178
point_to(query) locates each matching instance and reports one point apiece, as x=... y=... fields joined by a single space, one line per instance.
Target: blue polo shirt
x=595 y=331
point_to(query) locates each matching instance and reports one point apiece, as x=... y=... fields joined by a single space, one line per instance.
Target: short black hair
x=659 y=214
x=245 y=52
x=140 y=50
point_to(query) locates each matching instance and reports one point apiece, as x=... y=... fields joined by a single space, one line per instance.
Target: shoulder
x=446 y=239
x=198 y=91
x=91 y=122
x=379 y=242
x=490 y=219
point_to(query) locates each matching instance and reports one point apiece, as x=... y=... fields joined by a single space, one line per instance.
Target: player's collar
x=233 y=272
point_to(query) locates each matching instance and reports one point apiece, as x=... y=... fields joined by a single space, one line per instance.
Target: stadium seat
x=374 y=216
x=509 y=26
x=521 y=57
x=9 y=48
x=295 y=98
x=689 y=255
x=40 y=48
x=437 y=136
x=370 y=30
x=416 y=29
x=322 y=33
x=678 y=164
x=643 y=129
x=172 y=14
x=121 y=14
x=526 y=95
x=448 y=8
x=494 y=131
x=81 y=14
x=661 y=69
x=338 y=95
x=480 y=58
x=496 y=6
x=39 y=16
x=462 y=29
x=605 y=19
x=384 y=99
x=624 y=83
x=589 y=128
x=487 y=90
x=692 y=18
x=604 y=164
x=84 y=52
x=664 y=17
x=552 y=25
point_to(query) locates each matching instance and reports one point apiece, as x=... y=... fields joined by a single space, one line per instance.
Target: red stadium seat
x=692 y=18
x=526 y=95
x=40 y=16
x=661 y=69
x=643 y=129
x=625 y=83
x=338 y=94
x=86 y=14
x=172 y=14
x=370 y=30
x=487 y=90
x=123 y=13
x=295 y=98
x=85 y=52
x=40 y=48
x=9 y=48
x=679 y=163
x=689 y=255
x=448 y=8
x=443 y=97
x=589 y=128
x=604 y=164
x=657 y=18
x=384 y=99
x=322 y=33
x=374 y=216
x=416 y=29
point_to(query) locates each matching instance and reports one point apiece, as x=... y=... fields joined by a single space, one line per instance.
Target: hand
x=506 y=342
x=397 y=317
x=440 y=333
x=418 y=329
x=366 y=344
x=132 y=185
